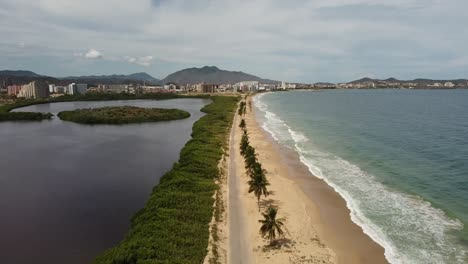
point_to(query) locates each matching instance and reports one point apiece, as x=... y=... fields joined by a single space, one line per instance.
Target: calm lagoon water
x=68 y=191
x=398 y=157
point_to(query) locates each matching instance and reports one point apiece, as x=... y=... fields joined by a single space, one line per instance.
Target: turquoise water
x=398 y=157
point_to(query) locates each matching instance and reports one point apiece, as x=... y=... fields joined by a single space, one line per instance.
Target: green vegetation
x=122 y=115
x=23 y=116
x=258 y=182
x=258 y=185
x=242 y=109
x=173 y=225
x=242 y=124
x=6 y=115
x=271 y=225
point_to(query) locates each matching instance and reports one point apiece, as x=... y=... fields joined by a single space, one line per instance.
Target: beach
x=318 y=227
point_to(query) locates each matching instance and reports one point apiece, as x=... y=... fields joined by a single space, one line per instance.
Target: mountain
x=363 y=80
x=8 y=73
x=140 y=76
x=212 y=75
x=22 y=77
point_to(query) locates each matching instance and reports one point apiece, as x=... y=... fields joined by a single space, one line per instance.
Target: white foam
x=409 y=228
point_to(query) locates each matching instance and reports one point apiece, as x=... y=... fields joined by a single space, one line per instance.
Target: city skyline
x=298 y=41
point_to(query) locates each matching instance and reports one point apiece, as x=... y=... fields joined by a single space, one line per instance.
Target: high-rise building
x=34 y=90
x=13 y=90
x=71 y=89
x=74 y=88
x=81 y=88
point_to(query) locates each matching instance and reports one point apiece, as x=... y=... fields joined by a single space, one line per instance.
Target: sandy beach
x=318 y=224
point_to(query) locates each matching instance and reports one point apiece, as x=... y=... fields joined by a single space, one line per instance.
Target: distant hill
x=366 y=79
x=212 y=75
x=417 y=81
x=22 y=77
x=19 y=74
x=141 y=77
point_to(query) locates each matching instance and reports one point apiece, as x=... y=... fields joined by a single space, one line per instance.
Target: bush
x=173 y=225
x=122 y=115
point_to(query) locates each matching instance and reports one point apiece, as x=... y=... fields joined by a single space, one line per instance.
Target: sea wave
x=409 y=228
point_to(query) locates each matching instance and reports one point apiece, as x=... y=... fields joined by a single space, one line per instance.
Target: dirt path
x=239 y=244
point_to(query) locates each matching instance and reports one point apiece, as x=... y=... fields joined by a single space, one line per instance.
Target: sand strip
x=319 y=226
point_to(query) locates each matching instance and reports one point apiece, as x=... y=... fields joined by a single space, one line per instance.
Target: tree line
x=258 y=182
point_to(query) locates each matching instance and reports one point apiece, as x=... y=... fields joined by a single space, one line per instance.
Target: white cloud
x=93 y=54
x=142 y=61
x=325 y=39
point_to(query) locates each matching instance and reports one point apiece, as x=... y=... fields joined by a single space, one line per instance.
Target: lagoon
x=68 y=191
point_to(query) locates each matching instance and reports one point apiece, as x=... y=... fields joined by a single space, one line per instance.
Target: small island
x=122 y=115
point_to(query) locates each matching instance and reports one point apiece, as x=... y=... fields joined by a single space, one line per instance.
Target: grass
x=173 y=226
x=122 y=115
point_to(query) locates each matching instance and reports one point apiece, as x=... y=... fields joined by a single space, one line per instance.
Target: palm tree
x=258 y=185
x=241 y=110
x=270 y=225
x=257 y=169
x=250 y=159
x=244 y=143
x=242 y=124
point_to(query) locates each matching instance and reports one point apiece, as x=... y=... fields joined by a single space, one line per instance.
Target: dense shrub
x=173 y=225
x=6 y=115
x=122 y=115
x=23 y=116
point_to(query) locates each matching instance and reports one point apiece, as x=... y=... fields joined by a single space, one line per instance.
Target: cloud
x=142 y=61
x=327 y=40
x=93 y=54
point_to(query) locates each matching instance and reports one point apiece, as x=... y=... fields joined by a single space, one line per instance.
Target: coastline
x=318 y=220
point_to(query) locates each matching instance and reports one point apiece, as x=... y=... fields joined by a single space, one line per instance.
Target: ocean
x=398 y=157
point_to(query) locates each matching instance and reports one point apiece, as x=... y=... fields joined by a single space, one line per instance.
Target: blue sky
x=295 y=40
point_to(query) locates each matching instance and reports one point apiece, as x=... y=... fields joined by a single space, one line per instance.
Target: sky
x=294 y=40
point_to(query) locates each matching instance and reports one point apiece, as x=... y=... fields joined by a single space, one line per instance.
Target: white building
x=170 y=86
x=283 y=85
x=449 y=85
x=51 y=88
x=247 y=86
x=34 y=90
x=71 y=89
x=74 y=88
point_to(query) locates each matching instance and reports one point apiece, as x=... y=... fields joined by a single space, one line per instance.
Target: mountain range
x=140 y=76
x=416 y=81
x=207 y=74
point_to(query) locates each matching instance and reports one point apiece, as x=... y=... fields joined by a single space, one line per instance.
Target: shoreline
x=328 y=214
